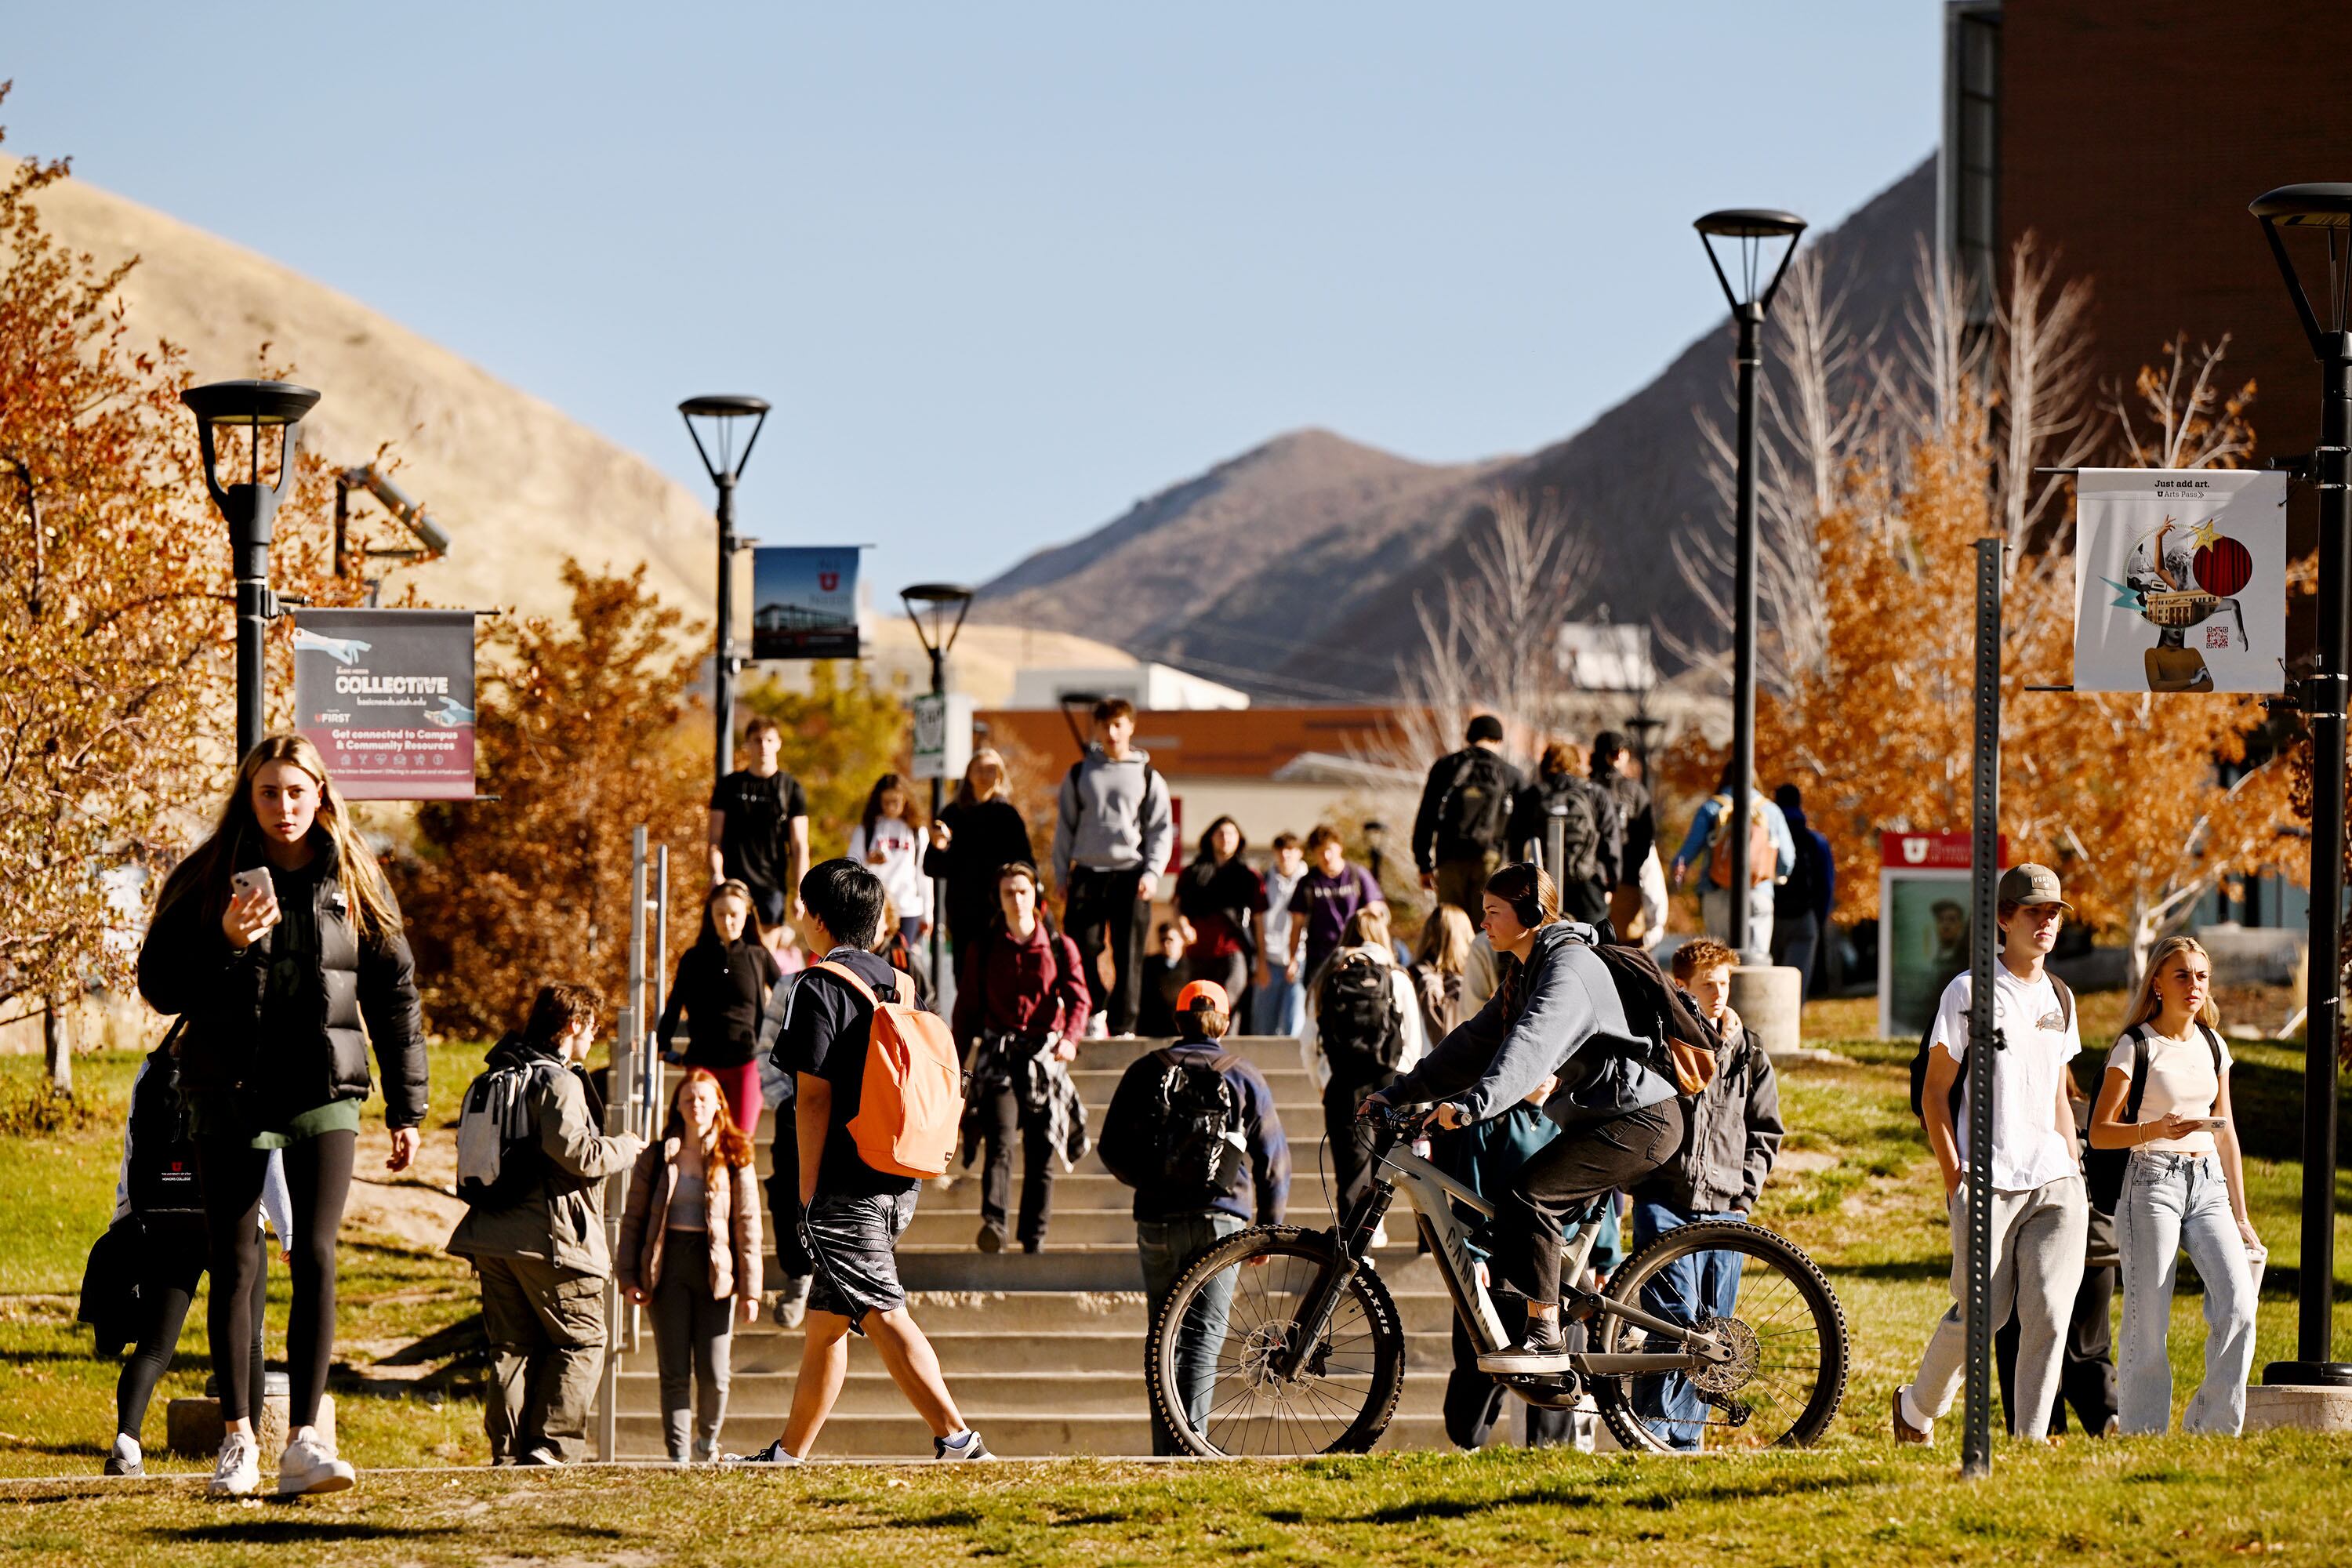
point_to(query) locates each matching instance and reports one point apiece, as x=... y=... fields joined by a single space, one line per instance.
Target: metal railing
x=632 y=1104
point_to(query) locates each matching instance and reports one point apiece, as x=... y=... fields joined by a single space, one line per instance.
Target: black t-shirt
x=824 y=1036
x=756 y=842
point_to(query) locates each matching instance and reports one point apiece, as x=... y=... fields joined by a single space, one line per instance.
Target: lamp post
x=722 y=415
x=936 y=599
x=1755 y=230
x=2328 y=209
x=250 y=509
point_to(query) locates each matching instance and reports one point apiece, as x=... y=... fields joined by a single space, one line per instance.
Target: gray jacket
x=1112 y=816
x=1735 y=1134
x=564 y=1227
x=1558 y=1015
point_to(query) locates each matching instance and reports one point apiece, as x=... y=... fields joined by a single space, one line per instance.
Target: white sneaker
x=237 y=1472
x=308 y=1466
x=124 y=1458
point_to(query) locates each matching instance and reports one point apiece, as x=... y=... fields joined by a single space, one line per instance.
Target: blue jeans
x=1168 y=1247
x=1278 y=1007
x=1700 y=1282
x=2173 y=1203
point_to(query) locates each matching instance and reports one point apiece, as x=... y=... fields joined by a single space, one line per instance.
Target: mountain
x=1291 y=571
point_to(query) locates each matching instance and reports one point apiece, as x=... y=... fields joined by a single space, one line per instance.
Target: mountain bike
x=1282 y=1341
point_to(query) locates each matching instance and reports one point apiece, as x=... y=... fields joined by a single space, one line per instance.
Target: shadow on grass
x=266 y=1531
x=1651 y=1501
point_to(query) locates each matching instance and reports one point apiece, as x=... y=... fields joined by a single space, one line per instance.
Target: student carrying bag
x=910 y=1103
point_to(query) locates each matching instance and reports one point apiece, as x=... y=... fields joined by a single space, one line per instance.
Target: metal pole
x=2323 y=1023
x=1984 y=955
x=938 y=796
x=249 y=544
x=1751 y=316
x=723 y=673
x=659 y=966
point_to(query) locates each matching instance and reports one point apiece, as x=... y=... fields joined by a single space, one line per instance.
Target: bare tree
x=2042 y=408
x=2193 y=424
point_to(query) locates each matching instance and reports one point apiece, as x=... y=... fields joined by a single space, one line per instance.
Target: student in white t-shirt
x=2040 y=1210
x=2184 y=1190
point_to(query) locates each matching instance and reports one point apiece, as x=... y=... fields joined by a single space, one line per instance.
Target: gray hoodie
x=1561 y=1016
x=1113 y=817
x=1735 y=1134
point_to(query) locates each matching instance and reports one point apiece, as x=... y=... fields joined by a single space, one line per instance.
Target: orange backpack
x=912 y=1105
x=1763 y=859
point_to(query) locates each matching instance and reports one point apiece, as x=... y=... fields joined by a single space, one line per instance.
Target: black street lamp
x=250 y=509
x=935 y=600
x=721 y=414
x=2328 y=209
x=1756 y=230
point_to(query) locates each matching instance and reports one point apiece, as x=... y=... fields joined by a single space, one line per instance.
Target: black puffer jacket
x=187 y=967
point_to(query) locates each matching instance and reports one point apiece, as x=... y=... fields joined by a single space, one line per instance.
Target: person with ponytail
x=1558 y=1016
x=278 y=944
x=691 y=1249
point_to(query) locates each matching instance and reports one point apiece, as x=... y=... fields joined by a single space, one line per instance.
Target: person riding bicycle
x=1619 y=1118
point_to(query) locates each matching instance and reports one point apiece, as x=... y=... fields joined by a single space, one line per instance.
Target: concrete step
x=902 y=1436
x=769 y=1350
x=1109 y=1267
x=765 y=1398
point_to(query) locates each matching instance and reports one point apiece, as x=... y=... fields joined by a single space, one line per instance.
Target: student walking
x=1363 y=1029
x=1164 y=973
x=156 y=1195
x=1439 y=964
x=1618 y=771
x=1278 y=1003
x=2166 y=1098
x=2039 y=1211
x=852 y=1214
x=530 y=1168
x=1194 y=1129
x=1460 y=830
x=888 y=842
x=758 y=826
x=1020 y=1011
x=1591 y=832
x=1113 y=833
x=691 y=1249
x=1325 y=901
x=273 y=941
x=782 y=1187
x=1734 y=1138
x=1222 y=903
x=978 y=833
x=719 y=990
x=1771 y=855
x=1802 y=903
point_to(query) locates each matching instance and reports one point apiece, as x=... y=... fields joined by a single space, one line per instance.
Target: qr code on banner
x=2217 y=636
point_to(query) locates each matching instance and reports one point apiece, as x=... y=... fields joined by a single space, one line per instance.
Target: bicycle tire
x=1616 y=1395
x=1246 y=1415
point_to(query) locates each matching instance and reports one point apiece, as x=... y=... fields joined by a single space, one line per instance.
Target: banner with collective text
x=387 y=696
x=804 y=602
x=2180 y=580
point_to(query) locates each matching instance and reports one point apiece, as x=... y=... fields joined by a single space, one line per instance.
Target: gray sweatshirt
x=1113 y=817
x=1561 y=1016
x=1735 y=1134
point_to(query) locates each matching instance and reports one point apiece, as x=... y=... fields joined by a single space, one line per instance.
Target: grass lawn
x=1863 y=1199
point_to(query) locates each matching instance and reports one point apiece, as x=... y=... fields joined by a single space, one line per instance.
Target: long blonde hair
x=237 y=837
x=986 y=756
x=1445 y=940
x=2147 y=1003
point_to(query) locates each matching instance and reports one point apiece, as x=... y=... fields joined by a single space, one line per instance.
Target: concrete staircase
x=1045 y=1353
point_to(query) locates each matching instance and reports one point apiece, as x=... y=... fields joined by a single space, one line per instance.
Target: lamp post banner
x=387 y=696
x=942 y=735
x=804 y=602
x=2179 y=580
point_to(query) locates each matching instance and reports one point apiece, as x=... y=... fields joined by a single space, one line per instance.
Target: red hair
x=727 y=1144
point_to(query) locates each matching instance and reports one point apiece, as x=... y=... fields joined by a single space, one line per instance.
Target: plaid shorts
x=853 y=1241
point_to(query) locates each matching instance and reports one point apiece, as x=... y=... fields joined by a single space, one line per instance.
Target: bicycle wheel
x=1757 y=1293
x=1211 y=1358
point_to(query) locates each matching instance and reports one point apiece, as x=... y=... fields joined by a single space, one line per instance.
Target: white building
x=1152 y=688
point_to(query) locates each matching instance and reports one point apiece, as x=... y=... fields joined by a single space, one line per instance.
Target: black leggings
x=318 y=1181
x=172 y=1259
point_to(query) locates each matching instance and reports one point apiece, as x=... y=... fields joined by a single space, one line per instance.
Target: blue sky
x=1003 y=268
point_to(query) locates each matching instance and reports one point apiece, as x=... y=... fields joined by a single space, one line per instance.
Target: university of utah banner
x=804 y=602
x=2180 y=580
x=387 y=696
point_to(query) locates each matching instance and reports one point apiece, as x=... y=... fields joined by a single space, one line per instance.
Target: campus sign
x=387 y=696
x=804 y=602
x=1923 y=924
x=942 y=735
x=2180 y=580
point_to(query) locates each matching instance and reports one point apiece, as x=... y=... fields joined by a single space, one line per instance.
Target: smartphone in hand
x=254 y=881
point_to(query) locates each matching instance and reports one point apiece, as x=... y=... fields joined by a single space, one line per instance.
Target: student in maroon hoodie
x=1020 y=1004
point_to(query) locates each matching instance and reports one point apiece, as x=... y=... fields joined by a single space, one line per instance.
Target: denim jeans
x=1701 y=1282
x=1168 y=1247
x=1278 y=1007
x=2173 y=1203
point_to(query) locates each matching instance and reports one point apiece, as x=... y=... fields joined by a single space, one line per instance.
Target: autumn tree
x=582 y=730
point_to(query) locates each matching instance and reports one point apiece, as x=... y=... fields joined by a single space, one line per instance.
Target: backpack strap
x=849 y=977
x=2065 y=1000
x=2137 y=1036
x=2212 y=1043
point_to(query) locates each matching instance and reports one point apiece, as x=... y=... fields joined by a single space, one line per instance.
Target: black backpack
x=2103 y=1169
x=1580 y=831
x=1477 y=808
x=1801 y=893
x=162 y=1179
x=1356 y=1014
x=1960 y=1077
x=499 y=1158
x=1195 y=1127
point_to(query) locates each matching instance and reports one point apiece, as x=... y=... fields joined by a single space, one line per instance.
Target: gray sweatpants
x=2037 y=1267
x=693 y=1335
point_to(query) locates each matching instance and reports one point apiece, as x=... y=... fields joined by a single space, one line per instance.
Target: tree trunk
x=58 y=1046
